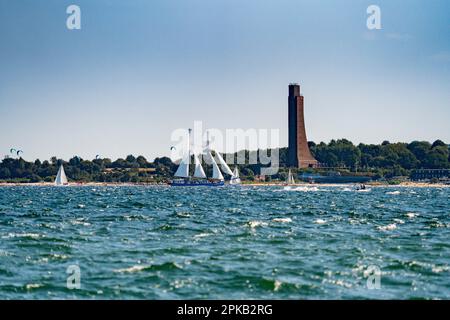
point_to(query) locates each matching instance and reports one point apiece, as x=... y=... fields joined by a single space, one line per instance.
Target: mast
x=189 y=145
x=183 y=168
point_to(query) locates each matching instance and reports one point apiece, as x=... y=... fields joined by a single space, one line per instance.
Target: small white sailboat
x=290 y=178
x=235 y=180
x=61 y=178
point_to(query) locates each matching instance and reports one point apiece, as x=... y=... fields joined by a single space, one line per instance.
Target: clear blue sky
x=139 y=69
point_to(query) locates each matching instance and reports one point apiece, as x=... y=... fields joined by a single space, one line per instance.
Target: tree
x=398 y=154
x=419 y=149
x=438 y=143
x=5 y=173
x=75 y=161
x=130 y=159
x=164 y=161
x=141 y=161
x=437 y=158
x=119 y=163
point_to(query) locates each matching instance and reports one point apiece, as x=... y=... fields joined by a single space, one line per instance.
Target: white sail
x=61 y=178
x=223 y=164
x=290 y=178
x=183 y=168
x=216 y=171
x=235 y=177
x=198 y=172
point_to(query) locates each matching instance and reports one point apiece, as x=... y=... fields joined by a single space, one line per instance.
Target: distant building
x=299 y=155
x=428 y=174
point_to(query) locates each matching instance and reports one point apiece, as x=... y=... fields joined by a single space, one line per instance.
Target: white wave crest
x=282 y=220
x=255 y=224
x=389 y=227
x=132 y=269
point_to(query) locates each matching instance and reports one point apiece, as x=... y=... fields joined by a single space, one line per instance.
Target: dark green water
x=249 y=242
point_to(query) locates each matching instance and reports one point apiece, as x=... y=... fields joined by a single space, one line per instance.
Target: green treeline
x=385 y=160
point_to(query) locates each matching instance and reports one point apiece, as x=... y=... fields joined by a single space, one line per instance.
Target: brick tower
x=299 y=155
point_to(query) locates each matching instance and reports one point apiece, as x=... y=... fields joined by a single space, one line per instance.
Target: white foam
x=254 y=224
x=437 y=269
x=59 y=256
x=393 y=192
x=391 y=226
x=411 y=215
x=282 y=220
x=319 y=221
x=132 y=269
x=30 y=286
x=202 y=235
x=80 y=222
x=23 y=235
x=277 y=285
x=301 y=188
x=183 y=214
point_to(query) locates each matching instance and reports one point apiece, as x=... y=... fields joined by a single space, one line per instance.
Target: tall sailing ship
x=199 y=178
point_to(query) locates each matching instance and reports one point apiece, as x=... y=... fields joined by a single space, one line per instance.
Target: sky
x=138 y=70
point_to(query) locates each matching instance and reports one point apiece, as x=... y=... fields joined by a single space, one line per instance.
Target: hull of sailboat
x=195 y=183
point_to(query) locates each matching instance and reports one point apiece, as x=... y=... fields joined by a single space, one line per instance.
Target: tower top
x=294 y=89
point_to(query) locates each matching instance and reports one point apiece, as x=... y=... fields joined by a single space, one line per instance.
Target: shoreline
x=245 y=184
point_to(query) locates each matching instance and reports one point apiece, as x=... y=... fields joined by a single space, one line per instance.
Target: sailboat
x=199 y=178
x=61 y=179
x=290 y=178
x=235 y=180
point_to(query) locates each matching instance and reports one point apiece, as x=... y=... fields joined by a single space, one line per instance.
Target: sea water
x=224 y=243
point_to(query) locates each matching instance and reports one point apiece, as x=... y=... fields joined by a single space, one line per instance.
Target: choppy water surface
x=250 y=242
